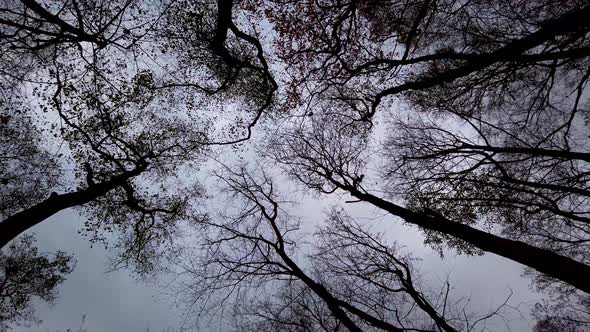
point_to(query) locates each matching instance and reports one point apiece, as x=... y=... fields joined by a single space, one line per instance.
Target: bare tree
x=294 y=308
x=328 y=160
x=352 y=281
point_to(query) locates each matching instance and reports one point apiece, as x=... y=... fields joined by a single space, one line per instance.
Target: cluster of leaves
x=28 y=172
x=27 y=275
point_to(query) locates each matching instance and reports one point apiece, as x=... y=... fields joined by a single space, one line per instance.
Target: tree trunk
x=571 y=22
x=18 y=223
x=560 y=267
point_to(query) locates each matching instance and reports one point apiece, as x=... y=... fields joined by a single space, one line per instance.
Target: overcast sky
x=111 y=301
x=115 y=302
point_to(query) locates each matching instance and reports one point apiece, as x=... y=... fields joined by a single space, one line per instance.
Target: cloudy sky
x=116 y=302
x=111 y=301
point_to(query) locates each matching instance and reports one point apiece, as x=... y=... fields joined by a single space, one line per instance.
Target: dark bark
x=571 y=22
x=531 y=151
x=332 y=303
x=574 y=53
x=80 y=34
x=545 y=261
x=224 y=19
x=18 y=223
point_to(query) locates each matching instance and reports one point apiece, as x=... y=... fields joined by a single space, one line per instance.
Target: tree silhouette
x=465 y=119
x=353 y=280
x=484 y=106
x=91 y=69
x=26 y=275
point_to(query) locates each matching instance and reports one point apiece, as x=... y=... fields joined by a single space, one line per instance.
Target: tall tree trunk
x=572 y=22
x=560 y=267
x=18 y=223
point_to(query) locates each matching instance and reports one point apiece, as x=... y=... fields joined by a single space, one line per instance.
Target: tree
x=353 y=281
x=22 y=181
x=125 y=131
x=484 y=106
x=134 y=102
x=488 y=130
x=327 y=161
x=294 y=308
x=26 y=275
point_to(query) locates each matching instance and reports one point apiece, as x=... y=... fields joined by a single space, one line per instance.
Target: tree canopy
x=465 y=119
